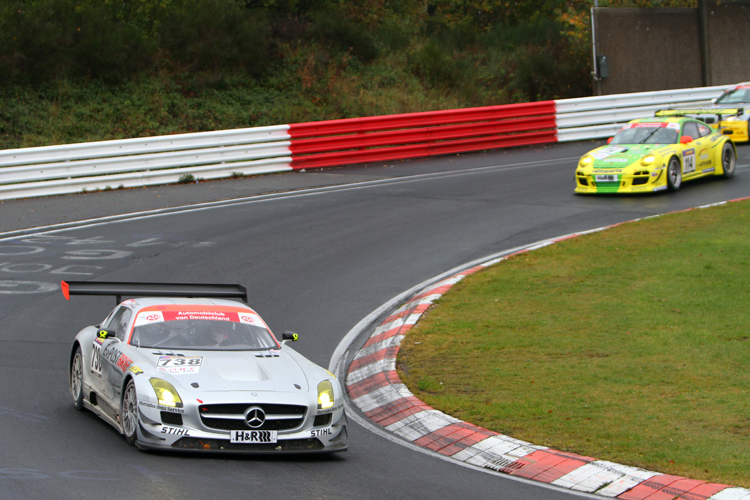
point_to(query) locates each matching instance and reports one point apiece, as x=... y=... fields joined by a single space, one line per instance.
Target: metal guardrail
x=602 y=116
x=142 y=178
x=144 y=162
x=126 y=163
x=143 y=145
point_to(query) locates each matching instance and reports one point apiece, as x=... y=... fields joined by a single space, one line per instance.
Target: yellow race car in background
x=734 y=126
x=657 y=154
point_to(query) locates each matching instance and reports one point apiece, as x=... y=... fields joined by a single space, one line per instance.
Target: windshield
x=734 y=96
x=647 y=133
x=222 y=331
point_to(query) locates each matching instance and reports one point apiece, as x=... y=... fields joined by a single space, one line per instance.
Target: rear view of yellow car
x=656 y=154
x=735 y=126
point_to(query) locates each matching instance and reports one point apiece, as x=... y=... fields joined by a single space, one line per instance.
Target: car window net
x=203 y=335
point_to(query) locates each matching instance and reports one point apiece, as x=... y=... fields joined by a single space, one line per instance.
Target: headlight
x=325 y=395
x=586 y=160
x=730 y=118
x=166 y=393
x=648 y=160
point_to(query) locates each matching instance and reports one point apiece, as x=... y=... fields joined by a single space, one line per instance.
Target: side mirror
x=105 y=334
x=287 y=336
x=609 y=141
x=685 y=139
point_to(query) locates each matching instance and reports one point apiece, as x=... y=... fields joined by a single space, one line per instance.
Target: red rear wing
x=120 y=289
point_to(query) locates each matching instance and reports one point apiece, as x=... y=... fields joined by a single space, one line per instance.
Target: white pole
x=597 y=80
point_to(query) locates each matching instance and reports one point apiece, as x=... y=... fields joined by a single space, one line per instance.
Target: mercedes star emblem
x=255 y=417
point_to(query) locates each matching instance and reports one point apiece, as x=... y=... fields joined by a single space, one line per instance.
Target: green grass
x=629 y=345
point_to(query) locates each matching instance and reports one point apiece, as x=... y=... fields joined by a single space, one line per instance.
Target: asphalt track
x=318 y=252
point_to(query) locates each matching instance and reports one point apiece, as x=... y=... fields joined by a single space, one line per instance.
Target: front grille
x=637 y=181
x=607 y=187
x=292 y=445
x=583 y=181
x=229 y=417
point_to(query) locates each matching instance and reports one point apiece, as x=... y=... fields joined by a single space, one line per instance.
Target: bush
x=343 y=34
x=437 y=66
x=47 y=39
x=541 y=62
x=216 y=35
x=542 y=75
x=86 y=70
x=394 y=37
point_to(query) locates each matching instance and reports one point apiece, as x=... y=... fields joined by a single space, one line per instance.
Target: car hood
x=619 y=156
x=275 y=371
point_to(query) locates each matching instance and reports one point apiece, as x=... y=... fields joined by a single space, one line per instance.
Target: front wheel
x=674 y=174
x=129 y=413
x=76 y=379
x=728 y=159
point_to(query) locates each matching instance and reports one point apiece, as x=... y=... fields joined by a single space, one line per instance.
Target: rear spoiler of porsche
x=119 y=289
x=700 y=111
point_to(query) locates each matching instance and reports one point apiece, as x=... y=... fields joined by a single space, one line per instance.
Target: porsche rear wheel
x=728 y=159
x=129 y=413
x=76 y=379
x=674 y=174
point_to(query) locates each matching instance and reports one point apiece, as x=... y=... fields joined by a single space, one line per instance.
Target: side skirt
x=98 y=411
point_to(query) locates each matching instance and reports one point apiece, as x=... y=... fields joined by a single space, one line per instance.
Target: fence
x=71 y=168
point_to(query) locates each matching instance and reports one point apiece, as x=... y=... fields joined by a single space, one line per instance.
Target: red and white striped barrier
x=414 y=135
x=376 y=389
x=140 y=162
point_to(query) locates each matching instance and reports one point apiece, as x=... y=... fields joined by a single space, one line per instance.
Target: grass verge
x=629 y=345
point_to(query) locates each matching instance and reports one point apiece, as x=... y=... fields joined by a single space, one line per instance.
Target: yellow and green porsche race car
x=656 y=154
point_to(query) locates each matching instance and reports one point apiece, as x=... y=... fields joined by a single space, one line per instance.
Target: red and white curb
x=376 y=389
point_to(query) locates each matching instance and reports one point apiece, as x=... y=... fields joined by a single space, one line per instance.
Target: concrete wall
x=727 y=45
x=648 y=49
x=660 y=49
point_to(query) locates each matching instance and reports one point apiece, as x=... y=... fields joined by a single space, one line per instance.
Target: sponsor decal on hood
x=606 y=151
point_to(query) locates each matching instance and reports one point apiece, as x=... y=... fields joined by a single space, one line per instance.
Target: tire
x=728 y=159
x=674 y=174
x=129 y=413
x=76 y=379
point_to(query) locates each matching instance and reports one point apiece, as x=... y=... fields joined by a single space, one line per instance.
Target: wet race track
x=318 y=251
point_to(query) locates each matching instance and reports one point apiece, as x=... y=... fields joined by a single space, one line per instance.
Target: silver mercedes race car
x=186 y=367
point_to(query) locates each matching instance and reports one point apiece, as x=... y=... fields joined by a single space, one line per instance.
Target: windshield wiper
x=649 y=135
